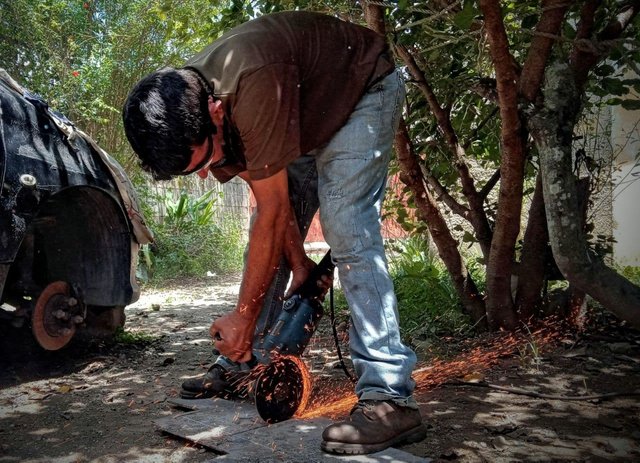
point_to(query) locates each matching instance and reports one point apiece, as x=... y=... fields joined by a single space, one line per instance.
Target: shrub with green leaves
x=631 y=273
x=196 y=250
x=186 y=211
x=192 y=242
x=123 y=336
x=427 y=301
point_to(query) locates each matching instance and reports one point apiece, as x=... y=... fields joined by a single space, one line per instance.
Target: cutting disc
x=51 y=332
x=281 y=389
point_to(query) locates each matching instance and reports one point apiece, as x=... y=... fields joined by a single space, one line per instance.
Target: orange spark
x=338 y=401
x=306 y=383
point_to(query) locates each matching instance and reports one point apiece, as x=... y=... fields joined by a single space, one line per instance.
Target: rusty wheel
x=55 y=316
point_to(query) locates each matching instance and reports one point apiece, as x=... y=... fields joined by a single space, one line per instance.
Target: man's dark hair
x=165 y=114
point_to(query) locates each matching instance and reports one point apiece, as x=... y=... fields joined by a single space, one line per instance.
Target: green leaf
x=568 y=30
x=614 y=86
x=631 y=105
x=468 y=237
x=604 y=70
x=614 y=101
x=464 y=18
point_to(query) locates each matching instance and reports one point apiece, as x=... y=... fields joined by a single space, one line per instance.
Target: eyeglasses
x=206 y=159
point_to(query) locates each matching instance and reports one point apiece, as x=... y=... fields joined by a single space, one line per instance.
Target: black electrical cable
x=335 y=338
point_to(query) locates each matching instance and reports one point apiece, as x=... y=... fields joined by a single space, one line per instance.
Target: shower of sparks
x=246 y=384
x=335 y=402
x=306 y=384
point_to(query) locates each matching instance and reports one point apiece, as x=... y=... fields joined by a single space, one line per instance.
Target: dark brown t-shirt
x=288 y=82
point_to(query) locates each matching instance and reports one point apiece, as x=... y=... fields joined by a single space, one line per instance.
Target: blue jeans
x=350 y=174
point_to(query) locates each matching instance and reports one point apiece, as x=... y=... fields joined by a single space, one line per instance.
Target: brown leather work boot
x=373 y=426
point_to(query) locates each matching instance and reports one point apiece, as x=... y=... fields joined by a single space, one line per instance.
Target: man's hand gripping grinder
x=282 y=382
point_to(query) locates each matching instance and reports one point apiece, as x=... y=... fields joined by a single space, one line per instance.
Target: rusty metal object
x=56 y=316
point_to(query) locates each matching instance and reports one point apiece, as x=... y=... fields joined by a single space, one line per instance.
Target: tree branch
x=587 y=53
x=486 y=189
x=374 y=17
x=484 y=122
x=444 y=195
x=478 y=218
x=549 y=24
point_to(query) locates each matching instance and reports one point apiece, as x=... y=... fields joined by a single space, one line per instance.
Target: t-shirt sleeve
x=267 y=116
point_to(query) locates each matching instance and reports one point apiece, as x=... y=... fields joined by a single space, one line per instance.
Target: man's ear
x=215 y=110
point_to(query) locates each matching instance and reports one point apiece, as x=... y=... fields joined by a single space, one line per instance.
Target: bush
x=191 y=243
x=194 y=251
x=427 y=300
x=631 y=273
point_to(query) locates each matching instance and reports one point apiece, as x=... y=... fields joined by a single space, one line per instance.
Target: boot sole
x=342 y=448
x=191 y=395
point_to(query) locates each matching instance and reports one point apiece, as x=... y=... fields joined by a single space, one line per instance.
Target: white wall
x=625 y=140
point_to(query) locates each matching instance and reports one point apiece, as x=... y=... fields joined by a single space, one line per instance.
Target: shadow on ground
x=97 y=402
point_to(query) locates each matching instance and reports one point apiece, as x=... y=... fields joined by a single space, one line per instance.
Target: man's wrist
x=246 y=313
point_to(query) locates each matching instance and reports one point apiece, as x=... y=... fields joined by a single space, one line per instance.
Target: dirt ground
x=97 y=402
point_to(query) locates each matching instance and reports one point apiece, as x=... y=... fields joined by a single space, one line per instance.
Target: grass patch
x=122 y=336
x=192 y=241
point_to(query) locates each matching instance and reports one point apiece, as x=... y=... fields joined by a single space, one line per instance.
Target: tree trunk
x=500 y=305
x=549 y=26
x=428 y=212
x=531 y=268
x=552 y=130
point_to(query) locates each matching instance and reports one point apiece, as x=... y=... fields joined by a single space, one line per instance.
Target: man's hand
x=301 y=272
x=299 y=275
x=233 y=335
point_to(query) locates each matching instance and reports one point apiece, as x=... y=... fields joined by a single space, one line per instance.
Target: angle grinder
x=282 y=383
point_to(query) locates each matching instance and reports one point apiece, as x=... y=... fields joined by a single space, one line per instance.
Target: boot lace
x=364 y=405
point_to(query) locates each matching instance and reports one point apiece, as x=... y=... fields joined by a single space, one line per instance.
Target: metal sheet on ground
x=192 y=404
x=212 y=422
x=236 y=430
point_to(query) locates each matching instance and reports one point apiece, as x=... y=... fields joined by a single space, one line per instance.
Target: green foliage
x=123 y=336
x=191 y=243
x=529 y=353
x=83 y=57
x=631 y=273
x=187 y=212
x=197 y=250
x=427 y=300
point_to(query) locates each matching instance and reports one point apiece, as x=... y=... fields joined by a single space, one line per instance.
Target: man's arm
x=293 y=246
x=233 y=333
